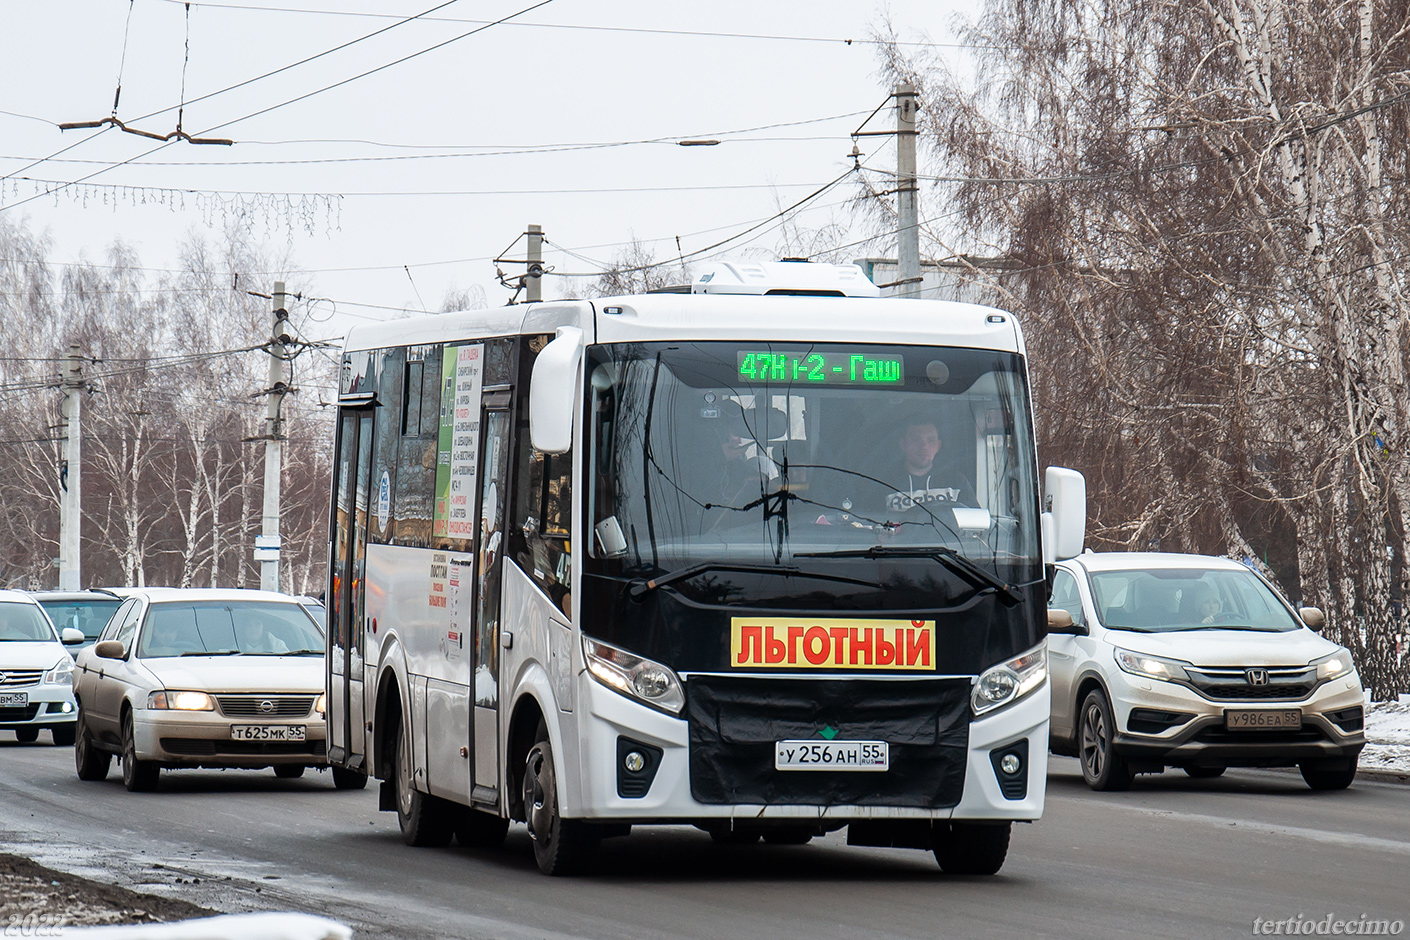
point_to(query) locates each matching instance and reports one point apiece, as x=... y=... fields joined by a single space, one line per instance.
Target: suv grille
x=17 y=677
x=1235 y=683
x=265 y=706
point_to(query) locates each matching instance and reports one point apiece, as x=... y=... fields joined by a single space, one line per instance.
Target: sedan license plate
x=13 y=699
x=831 y=755
x=1264 y=719
x=267 y=732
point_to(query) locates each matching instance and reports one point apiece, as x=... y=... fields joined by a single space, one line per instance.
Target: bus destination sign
x=818 y=368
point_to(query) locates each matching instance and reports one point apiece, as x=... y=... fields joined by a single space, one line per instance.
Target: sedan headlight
x=61 y=674
x=183 y=701
x=1151 y=667
x=321 y=705
x=1008 y=682
x=1333 y=666
x=649 y=682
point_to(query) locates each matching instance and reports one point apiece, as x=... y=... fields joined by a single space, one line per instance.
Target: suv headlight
x=1333 y=666
x=183 y=701
x=1008 y=682
x=1151 y=667
x=646 y=681
x=61 y=674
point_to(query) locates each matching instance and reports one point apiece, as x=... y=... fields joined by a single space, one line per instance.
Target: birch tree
x=1207 y=225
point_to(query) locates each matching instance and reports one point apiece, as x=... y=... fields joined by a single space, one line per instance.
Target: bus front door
x=490 y=548
x=346 y=737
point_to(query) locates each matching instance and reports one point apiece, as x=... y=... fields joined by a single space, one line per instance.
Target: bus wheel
x=971 y=848
x=423 y=818
x=561 y=846
x=478 y=830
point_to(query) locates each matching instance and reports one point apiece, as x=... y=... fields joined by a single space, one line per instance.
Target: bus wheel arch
x=523 y=732
x=387 y=719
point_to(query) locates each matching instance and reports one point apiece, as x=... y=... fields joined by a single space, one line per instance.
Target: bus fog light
x=1010 y=764
x=634 y=762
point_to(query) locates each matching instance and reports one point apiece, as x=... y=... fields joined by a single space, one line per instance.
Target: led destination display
x=819 y=368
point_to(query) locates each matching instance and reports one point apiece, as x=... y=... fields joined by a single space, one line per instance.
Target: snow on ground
x=1387 y=737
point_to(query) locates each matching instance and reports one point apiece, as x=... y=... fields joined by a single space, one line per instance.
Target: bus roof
x=663 y=317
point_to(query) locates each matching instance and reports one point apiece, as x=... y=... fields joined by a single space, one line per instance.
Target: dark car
x=85 y=611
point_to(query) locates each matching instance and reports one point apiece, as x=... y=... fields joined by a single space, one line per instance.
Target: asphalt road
x=1174 y=857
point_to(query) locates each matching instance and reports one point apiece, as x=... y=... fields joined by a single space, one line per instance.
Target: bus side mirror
x=1065 y=522
x=553 y=392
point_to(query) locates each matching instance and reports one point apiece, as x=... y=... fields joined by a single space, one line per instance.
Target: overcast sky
x=425 y=170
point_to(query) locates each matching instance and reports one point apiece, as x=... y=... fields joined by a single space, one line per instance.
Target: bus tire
x=344 y=779
x=479 y=830
x=788 y=835
x=424 y=819
x=971 y=848
x=561 y=846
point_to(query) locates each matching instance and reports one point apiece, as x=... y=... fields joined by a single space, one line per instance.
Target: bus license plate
x=831 y=755
x=267 y=732
x=1264 y=719
x=14 y=698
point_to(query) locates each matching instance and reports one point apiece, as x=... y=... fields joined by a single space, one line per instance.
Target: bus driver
x=915 y=480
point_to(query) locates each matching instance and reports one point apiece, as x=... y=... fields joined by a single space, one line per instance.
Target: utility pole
x=71 y=475
x=908 y=276
x=533 y=278
x=267 y=544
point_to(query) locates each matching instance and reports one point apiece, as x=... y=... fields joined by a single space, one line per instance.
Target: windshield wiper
x=1221 y=626
x=948 y=557
x=213 y=653
x=640 y=588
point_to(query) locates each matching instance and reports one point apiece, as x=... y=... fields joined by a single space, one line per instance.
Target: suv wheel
x=1328 y=775
x=1102 y=767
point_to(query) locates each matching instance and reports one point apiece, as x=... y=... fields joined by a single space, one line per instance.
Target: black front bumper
x=736 y=720
x=1207 y=743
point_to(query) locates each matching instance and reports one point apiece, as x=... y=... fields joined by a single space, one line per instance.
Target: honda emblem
x=1256 y=676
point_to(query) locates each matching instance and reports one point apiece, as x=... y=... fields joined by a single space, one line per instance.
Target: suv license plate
x=831 y=755
x=1264 y=719
x=14 y=698
x=267 y=732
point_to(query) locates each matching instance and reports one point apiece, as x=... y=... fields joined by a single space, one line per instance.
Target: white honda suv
x=1160 y=660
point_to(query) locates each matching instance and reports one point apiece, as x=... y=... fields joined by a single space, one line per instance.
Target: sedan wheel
x=27 y=735
x=91 y=763
x=139 y=776
x=1102 y=767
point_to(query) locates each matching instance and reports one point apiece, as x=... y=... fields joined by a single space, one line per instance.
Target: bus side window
x=546 y=523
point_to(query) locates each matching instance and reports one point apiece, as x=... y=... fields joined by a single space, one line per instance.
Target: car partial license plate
x=267 y=732
x=14 y=698
x=1264 y=719
x=831 y=755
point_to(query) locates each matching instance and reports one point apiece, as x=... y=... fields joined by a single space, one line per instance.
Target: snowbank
x=1387 y=737
x=262 y=926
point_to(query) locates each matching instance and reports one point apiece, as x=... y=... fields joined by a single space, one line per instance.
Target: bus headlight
x=646 y=681
x=1008 y=682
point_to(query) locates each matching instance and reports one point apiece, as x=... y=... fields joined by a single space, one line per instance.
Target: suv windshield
x=765 y=453
x=88 y=616
x=1165 y=600
x=216 y=628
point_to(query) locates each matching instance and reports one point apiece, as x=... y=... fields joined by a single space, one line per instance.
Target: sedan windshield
x=216 y=628
x=1164 y=600
x=766 y=453
x=24 y=623
x=90 y=617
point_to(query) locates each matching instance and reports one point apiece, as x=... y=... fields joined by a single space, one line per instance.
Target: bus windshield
x=767 y=453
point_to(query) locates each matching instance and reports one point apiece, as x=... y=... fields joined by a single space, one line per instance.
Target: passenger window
x=127 y=629
x=118 y=619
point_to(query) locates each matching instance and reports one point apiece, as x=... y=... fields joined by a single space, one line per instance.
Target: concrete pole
x=533 y=279
x=908 y=275
x=71 y=476
x=267 y=546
